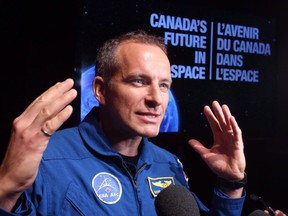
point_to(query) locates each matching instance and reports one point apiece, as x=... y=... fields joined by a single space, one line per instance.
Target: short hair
x=106 y=62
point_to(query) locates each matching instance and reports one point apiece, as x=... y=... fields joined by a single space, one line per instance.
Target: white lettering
x=187 y=72
x=178 y=23
x=229 y=59
x=252 y=47
x=227 y=74
x=239 y=31
x=185 y=40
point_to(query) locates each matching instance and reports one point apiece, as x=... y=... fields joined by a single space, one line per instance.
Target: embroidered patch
x=107 y=187
x=158 y=184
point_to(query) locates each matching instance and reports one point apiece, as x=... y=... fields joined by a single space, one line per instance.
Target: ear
x=98 y=89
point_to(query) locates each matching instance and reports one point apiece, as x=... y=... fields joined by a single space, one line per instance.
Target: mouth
x=149 y=117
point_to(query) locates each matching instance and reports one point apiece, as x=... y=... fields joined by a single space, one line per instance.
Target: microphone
x=258 y=212
x=176 y=200
x=263 y=202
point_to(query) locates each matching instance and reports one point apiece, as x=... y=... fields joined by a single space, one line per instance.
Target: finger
x=45 y=98
x=212 y=120
x=279 y=213
x=48 y=105
x=220 y=116
x=227 y=116
x=55 y=114
x=41 y=112
x=55 y=123
x=236 y=129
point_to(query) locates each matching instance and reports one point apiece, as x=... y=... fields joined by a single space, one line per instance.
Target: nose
x=154 y=96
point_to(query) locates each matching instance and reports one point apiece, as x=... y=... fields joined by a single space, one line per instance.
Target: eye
x=138 y=82
x=165 y=86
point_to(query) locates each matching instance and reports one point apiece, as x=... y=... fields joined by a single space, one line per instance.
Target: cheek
x=122 y=102
x=165 y=100
x=129 y=97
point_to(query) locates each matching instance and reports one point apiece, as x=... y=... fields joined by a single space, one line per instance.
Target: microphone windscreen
x=176 y=200
x=258 y=212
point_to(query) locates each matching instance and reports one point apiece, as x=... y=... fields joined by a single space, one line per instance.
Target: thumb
x=197 y=146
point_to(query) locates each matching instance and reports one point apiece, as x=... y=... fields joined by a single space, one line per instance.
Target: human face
x=137 y=96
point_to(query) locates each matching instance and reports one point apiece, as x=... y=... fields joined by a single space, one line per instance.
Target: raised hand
x=29 y=138
x=226 y=157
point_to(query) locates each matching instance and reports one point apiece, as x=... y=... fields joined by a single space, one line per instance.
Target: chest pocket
x=76 y=203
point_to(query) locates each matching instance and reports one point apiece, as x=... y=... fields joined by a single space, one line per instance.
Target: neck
x=127 y=147
x=124 y=145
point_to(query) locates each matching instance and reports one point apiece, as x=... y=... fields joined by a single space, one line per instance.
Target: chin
x=150 y=133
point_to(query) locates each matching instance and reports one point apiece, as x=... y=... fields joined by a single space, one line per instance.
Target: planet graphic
x=88 y=100
x=170 y=121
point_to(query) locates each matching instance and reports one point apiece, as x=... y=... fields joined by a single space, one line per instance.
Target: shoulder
x=66 y=143
x=159 y=154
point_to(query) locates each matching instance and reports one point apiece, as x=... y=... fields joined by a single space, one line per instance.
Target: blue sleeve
x=31 y=202
x=22 y=207
x=222 y=205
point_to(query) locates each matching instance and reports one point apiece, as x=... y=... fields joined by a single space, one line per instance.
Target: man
x=106 y=165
